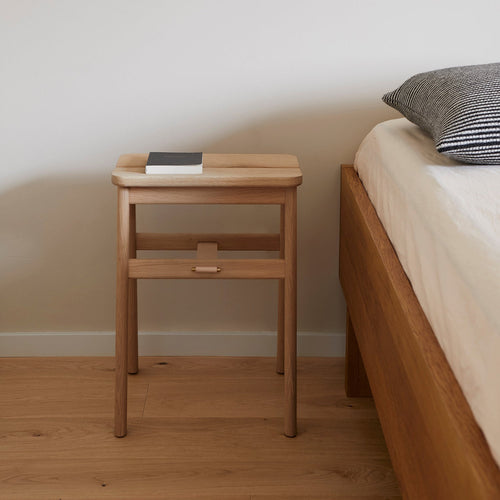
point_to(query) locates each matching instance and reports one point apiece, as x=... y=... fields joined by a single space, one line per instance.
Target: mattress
x=443 y=219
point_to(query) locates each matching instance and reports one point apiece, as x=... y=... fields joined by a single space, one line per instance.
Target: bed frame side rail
x=437 y=449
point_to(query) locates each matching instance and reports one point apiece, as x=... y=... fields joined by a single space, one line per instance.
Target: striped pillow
x=459 y=107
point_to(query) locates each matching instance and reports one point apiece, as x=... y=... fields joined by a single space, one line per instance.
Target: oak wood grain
x=130 y=478
x=68 y=451
x=230 y=268
x=323 y=497
x=436 y=446
x=122 y=298
x=208 y=195
x=226 y=179
x=50 y=397
x=290 y=312
x=255 y=170
x=175 y=367
x=225 y=241
x=280 y=339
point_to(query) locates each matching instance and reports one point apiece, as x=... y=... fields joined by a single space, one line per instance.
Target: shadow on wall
x=59 y=236
x=57 y=252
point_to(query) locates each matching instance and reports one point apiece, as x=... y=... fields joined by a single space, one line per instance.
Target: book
x=174 y=163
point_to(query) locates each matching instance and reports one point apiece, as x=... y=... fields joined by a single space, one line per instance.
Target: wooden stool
x=226 y=179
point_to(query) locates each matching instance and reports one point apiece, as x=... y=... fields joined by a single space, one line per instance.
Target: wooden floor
x=207 y=428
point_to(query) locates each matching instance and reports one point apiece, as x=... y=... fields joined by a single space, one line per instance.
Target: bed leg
x=356 y=381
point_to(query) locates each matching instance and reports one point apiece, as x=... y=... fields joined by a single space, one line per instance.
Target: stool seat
x=236 y=170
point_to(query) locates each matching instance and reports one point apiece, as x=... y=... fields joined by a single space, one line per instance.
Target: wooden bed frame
x=437 y=449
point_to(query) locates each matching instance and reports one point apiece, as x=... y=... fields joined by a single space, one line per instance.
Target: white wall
x=84 y=81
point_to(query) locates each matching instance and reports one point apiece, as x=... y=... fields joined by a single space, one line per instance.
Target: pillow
x=459 y=107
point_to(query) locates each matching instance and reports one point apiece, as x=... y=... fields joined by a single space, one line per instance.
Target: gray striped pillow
x=459 y=107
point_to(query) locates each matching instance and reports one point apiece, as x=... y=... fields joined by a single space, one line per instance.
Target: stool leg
x=281 y=301
x=291 y=312
x=121 y=313
x=133 y=347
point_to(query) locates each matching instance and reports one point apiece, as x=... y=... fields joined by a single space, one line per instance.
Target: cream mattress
x=443 y=219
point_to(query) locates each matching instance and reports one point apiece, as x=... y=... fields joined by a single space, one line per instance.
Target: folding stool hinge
x=206 y=250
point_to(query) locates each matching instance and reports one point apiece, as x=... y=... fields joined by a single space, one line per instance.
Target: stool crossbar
x=226 y=179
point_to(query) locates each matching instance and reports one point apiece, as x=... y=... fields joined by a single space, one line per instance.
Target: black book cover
x=174 y=159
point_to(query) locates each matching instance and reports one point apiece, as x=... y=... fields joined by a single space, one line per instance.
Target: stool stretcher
x=230 y=268
x=188 y=241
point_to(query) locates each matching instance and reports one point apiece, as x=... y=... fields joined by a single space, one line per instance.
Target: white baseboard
x=167 y=344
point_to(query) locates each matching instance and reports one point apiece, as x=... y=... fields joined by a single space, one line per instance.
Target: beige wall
x=84 y=81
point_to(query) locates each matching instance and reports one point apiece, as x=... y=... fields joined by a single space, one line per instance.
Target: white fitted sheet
x=443 y=219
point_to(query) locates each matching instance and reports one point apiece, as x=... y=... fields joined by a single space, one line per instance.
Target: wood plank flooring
x=204 y=428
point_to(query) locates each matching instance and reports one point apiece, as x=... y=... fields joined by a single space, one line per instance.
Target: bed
x=419 y=255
